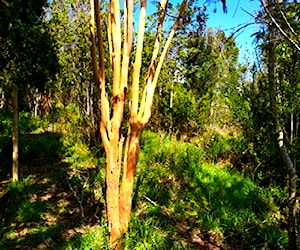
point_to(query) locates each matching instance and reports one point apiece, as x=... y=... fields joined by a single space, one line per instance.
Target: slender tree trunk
x=47 y=99
x=294 y=210
x=292 y=176
x=15 y=135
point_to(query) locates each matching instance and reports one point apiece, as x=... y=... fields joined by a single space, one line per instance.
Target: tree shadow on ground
x=50 y=205
x=206 y=209
x=200 y=205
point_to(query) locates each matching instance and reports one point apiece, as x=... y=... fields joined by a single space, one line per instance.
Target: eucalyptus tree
x=281 y=58
x=28 y=58
x=125 y=89
x=122 y=153
x=200 y=82
x=73 y=93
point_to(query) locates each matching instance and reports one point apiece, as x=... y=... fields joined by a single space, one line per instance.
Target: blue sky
x=236 y=15
x=228 y=21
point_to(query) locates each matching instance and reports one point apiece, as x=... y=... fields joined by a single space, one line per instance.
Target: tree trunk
x=47 y=98
x=121 y=161
x=126 y=190
x=112 y=197
x=292 y=176
x=15 y=135
x=119 y=197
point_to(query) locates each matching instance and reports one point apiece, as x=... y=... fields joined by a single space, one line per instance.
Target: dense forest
x=125 y=129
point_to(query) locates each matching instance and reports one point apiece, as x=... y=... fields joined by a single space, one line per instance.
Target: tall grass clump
x=148 y=234
x=191 y=202
x=78 y=152
x=224 y=148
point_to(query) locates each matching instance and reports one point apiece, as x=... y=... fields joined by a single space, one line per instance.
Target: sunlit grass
x=181 y=186
x=181 y=201
x=95 y=237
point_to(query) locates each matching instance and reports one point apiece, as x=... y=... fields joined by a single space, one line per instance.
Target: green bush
x=27 y=123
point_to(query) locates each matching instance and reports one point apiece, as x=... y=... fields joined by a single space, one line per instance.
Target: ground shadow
x=49 y=206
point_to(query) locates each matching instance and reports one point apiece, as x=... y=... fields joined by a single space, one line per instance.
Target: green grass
x=53 y=203
x=175 y=186
x=94 y=238
x=22 y=218
x=181 y=201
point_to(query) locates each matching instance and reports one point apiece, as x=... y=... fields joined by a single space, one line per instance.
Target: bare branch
x=109 y=38
x=128 y=40
x=93 y=43
x=115 y=19
x=150 y=88
x=99 y=73
x=100 y=44
x=138 y=61
x=156 y=48
x=278 y=26
x=288 y=23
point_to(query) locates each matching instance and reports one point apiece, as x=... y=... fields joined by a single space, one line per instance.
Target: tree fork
x=120 y=160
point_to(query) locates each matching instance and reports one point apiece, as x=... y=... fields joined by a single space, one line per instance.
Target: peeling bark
x=121 y=160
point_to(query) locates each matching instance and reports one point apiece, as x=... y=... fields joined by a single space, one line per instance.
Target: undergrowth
x=188 y=199
x=181 y=200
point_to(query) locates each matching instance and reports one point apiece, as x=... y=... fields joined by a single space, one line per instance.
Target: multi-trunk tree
x=125 y=91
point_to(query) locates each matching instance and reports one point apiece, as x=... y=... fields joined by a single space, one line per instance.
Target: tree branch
x=115 y=20
x=93 y=43
x=138 y=62
x=128 y=41
x=288 y=24
x=265 y=5
x=146 y=113
x=100 y=44
x=156 y=48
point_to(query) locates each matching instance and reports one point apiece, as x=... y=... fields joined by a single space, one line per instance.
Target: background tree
x=27 y=55
x=73 y=92
x=200 y=82
x=279 y=117
x=275 y=88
